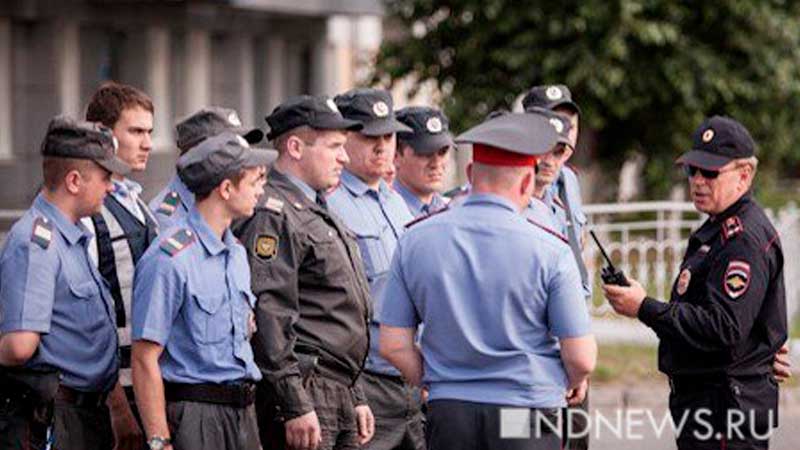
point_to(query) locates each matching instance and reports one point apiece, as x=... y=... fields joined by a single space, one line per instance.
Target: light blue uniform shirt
x=495 y=293
x=49 y=286
x=415 y=205
x=172 y=203
x=377 y=218
x=191 y=294
x=552 y=206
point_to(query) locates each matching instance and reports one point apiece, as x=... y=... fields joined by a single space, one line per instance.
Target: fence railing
x=647 y=240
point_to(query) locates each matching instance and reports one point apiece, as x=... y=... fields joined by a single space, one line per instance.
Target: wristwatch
x=158 y=443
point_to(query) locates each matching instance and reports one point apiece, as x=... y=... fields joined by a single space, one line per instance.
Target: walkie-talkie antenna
x=602 y=250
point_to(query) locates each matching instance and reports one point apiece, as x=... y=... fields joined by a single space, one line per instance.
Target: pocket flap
x=209 y=303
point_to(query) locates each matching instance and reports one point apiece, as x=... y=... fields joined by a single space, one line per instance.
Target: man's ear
x=225 y=189
x=294 y=147
x=528 y=182
x=73 y=181
x=469 y=172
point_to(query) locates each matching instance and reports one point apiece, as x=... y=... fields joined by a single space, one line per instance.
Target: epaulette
x=425 y=217
x=177 y=242
x=731 y=227
x=274 y=204
x=169 y=204
x=549 y=230
x=42 y=233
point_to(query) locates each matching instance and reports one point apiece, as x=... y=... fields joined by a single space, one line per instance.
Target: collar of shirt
x=358 y=187
x=711 y=226
x=177 y=185
x=307 y=190
x=491 y=199
x=415 y=204
x=72 y=232
x=206 y=235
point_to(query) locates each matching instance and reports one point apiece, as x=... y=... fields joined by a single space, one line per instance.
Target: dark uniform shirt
x=313 y=296
x=727 y=315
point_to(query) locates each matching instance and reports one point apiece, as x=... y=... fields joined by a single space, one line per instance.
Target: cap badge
x=554 y=93
x=434 y=125
x=708 y=135
x=233 y=119
x=557 y=124
x=380 y=109
x=332 y=105
x=242 y=141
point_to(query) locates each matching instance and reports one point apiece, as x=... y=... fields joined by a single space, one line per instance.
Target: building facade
x=186 y=54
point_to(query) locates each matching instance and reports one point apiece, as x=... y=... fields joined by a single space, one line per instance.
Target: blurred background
x=644 y=72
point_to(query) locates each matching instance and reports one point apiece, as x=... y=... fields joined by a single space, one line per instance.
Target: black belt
x=335 y=372
x=239 y=395
x=81 y=399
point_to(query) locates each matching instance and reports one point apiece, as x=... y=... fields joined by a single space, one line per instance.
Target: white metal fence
x=647 y=241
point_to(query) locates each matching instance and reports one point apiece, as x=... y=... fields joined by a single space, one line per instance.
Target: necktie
x=321 y=201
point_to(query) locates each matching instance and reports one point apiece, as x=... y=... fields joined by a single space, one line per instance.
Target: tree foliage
x=645 y=72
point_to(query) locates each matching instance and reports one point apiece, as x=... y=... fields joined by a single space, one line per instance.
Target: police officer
x=193 y=368
x=557 y=184
x=377 y=215
x=57 y=320
x=499 y=298
x=313 y=297
x=727 y=314
x=123 y=230
x=422 y=158
x=557 y=200
x=175 y=200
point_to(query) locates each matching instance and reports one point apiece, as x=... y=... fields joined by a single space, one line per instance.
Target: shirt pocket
x=370 y=245
x=210 y=318
x=86 y=309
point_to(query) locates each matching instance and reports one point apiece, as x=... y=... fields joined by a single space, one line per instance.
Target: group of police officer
x=293 y=298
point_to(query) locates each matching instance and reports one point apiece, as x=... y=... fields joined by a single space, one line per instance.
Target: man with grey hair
x=726 y=319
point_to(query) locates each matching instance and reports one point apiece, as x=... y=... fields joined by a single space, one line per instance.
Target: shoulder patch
x=426 y=216
x=731 y=227
x=273 y=204
x=549 y=230
x=736 y=279
x=177 y=242
x=169 y=204
x=266 y=246
x=42 y=233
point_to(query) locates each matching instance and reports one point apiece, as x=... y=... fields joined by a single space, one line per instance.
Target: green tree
x=645 y=72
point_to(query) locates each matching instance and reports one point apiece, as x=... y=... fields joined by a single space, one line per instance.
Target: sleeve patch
x=731 y=227
x=177 y=242
x=266 y=247
x=42 y=233
x=737 y=279
x=169 y=204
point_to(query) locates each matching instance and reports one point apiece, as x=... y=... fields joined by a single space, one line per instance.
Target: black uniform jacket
x=313 y=296
x=727 y=314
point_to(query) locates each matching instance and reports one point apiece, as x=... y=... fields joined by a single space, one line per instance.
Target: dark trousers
x=720 y=405
x=23 y=425
x=399 y=421
x=333 y=403
x=207 y=426
x=77 y=427
x=576 y=438
x=456 y=424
